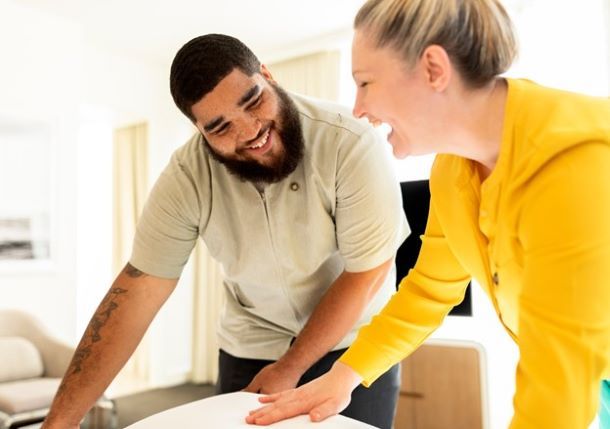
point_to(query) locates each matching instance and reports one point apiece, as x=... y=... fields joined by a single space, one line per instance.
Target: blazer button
x=294 y=186
x=495 y=278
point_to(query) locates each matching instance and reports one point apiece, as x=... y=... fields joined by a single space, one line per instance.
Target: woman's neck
x=480 y=118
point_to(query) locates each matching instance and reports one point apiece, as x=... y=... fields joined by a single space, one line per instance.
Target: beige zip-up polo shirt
x=281 y=248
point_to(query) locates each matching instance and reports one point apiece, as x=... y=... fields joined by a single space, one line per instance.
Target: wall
x=52 y=74
x=567 y=48
x=119 y=91
x=40 y=80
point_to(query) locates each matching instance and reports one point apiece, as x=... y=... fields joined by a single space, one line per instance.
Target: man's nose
x=250 y=127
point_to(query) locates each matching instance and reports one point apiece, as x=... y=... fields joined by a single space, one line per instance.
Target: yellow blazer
x=536 y=237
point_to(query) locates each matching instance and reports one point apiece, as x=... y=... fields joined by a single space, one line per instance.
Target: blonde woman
x=520 y=202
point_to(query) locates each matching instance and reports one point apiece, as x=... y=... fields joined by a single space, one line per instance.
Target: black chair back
x=416 y=204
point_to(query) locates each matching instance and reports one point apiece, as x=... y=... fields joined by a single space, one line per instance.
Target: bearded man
x=298 y=203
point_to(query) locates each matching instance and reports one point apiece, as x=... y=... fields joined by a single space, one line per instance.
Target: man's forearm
x=110 y=338
x=80 y=388
x=334 y=316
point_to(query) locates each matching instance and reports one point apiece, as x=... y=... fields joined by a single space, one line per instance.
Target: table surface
x=229 y=412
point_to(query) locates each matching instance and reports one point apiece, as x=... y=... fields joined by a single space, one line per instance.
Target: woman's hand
x=323 y=397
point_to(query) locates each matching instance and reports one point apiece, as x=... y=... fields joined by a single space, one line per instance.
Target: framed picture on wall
x=26 y=194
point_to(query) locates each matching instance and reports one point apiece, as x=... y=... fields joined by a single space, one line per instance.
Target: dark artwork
x=15 y=239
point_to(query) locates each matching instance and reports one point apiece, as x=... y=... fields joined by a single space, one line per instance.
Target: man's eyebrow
x=213 y=123
x=249 y=95
x=243 y=100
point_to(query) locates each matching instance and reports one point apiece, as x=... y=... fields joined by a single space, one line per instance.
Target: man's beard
x=291 y=137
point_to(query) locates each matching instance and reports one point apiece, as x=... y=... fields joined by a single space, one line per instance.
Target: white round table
x=229 y=411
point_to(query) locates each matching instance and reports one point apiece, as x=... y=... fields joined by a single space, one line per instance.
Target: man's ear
x=267 y=74
x=437 y=67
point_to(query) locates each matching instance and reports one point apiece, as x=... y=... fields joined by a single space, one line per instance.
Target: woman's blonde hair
x=476 y=34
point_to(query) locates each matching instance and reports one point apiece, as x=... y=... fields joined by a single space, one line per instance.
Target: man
x=296 y=201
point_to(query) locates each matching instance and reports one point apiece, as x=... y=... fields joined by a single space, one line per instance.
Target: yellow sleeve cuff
x=366 y=360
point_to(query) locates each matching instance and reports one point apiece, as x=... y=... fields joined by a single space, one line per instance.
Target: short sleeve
x=168 y=227
x=370 y=221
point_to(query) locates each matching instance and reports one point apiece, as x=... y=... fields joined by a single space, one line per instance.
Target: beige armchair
x=32 y=363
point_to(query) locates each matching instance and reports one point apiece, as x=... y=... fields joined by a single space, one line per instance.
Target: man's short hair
x=202 y=63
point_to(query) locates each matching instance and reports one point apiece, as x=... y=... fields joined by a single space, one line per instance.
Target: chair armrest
x=56 y=356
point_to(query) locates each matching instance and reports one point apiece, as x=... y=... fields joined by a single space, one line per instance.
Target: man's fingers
x=251 y=388
x=267 y=399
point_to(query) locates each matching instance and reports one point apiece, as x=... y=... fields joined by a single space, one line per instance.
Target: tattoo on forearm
x=93 y=333
x=132 y=271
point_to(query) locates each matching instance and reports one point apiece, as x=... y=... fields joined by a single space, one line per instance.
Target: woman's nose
x=358 y=111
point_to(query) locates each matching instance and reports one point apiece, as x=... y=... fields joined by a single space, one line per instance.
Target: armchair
x=32 y=363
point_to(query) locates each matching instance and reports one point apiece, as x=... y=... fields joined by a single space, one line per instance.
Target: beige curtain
x=208 y=300
x=315 y=75
x=130 y=188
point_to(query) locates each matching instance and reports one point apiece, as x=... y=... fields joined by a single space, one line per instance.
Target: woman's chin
x=399 y=149
x=399 y=152
x=400 y=155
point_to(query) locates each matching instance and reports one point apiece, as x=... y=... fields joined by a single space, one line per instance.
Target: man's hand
x=273 y=378
x=333 y=317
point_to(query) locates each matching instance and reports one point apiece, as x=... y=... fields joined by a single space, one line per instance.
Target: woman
x=520 y=201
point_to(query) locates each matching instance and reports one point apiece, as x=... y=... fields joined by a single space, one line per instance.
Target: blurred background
x=87 y=124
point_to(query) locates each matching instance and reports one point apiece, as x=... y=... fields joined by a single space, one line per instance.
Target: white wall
x=40 y=81
x=50 y=73
x=564 y=44
x=119 y=91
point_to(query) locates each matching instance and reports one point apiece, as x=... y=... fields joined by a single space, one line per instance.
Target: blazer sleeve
x=431 y=289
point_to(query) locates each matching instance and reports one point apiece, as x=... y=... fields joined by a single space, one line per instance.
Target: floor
x=133 y=408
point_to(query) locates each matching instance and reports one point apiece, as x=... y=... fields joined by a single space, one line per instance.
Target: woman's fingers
x=257 y=410
x=320 y=398
x=275 y=412
x=289 y=405
x=324 y=410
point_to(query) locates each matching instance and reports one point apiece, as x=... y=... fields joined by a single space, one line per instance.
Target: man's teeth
x=261 y=143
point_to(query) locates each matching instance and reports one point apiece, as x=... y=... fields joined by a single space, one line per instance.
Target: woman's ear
x=437 y=67
x=267 y=74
